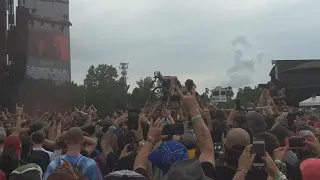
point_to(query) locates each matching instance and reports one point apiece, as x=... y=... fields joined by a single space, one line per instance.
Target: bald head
x=237 y=136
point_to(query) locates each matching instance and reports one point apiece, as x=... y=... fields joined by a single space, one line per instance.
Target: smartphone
x=217 y=147
x=295 y=142
x=133 y=119
x=237 y=104
x=173 y=129
x=258 y=147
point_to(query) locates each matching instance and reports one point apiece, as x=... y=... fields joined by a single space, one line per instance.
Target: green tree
x=104 y=89
x=205 y=96
x=248 y=95
x=230 y=100
x=229 y=92
x=77 y=93
x=142 y=94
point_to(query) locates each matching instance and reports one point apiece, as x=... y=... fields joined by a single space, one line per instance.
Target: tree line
x=107 y=91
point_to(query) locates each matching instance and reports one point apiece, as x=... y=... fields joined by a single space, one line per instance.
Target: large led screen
x=48 y=57
x=48 y=73
x=48 y=46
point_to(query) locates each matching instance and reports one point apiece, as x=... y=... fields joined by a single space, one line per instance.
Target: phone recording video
x=258 y=147
x=173 y=129
x=133 y=119
x=295 y=142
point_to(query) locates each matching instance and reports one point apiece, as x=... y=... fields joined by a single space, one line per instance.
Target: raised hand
x=139 y=132
x=246 y=159
x=279 y=153
x=19 y=110
x=120 y=120
x=124 y=151
x=271 y=167
x=156 y=129
x=189 y=102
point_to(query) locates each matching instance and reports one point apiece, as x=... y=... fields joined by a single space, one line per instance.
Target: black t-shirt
x=114 y=163
x=36 y=160
x=38 y=155
x=226 y=173
x=207 y=168
x=112 y=159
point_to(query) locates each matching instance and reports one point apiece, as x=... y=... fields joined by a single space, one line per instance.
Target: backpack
x=67 y=171
x=29 y=171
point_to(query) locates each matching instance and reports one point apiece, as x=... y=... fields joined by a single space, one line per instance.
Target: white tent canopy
x=313 y=101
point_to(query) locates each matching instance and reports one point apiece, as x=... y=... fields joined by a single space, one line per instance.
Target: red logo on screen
x=48 y=45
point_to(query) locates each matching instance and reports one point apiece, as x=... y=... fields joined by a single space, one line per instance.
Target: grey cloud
x=238 y=80
x=241 y=72
x=241 y=40
x=241 y=65
x=192 y=37
x=241 y=43
x=259 y=57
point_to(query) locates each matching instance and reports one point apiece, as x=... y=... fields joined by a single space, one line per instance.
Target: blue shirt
x=87 y=166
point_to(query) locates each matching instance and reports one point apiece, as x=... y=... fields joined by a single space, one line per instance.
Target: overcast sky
x=213 y=42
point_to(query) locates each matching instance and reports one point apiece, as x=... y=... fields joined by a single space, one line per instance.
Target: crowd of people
x=215 y=144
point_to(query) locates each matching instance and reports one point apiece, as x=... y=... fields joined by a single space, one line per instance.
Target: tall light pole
x=84 y=93
x=124 y=72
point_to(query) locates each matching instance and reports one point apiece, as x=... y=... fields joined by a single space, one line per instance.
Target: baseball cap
x=310 y=169
x=3 y=134
x=237 y=136
x=187 y=169
x=168 y=153
x=188 y=139
x=189 y=82
x=124 y=174
x=14 y=143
